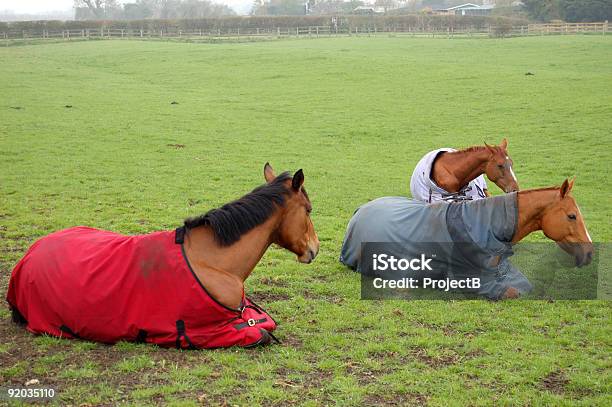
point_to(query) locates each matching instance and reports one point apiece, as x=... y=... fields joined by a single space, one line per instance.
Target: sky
x=39 y=6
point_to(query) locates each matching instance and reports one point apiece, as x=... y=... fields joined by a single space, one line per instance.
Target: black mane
x=234 y=219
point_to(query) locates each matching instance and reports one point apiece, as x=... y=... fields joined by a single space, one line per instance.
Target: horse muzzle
x=513 y=187
x=582 y=252
x=584 y=259
x=310 y=254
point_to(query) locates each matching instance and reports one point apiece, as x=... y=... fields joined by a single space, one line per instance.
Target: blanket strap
x=250 y=322
x=180 y=333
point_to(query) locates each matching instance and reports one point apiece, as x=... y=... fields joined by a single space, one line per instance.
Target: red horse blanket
x=102 y=286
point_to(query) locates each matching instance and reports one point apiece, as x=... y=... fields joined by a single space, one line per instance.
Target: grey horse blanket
x=469 y=237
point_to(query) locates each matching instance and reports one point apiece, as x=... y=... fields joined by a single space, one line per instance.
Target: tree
x=138 y=11
x=143 y=9
x=544 y=10
x=327 y=7
x=587 y=10
x=97 y=8
x=280 y=8
x=386 y=4
x=570 y=10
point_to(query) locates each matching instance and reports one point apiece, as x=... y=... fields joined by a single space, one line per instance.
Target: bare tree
x=386 y=4
x=98 y=8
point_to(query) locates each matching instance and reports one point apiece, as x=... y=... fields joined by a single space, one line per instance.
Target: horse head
x=562 y=222
x=295 y=231
x=499 y=167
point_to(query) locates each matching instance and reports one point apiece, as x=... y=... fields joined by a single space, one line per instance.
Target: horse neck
x=240 y=258
x=532 y=206
x=456 y=169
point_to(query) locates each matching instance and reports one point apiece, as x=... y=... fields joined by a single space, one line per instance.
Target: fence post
x=604 y=29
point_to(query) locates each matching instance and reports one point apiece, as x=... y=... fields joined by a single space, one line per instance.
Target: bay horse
x=450 y=175
x=182 y=288
x=485 y=231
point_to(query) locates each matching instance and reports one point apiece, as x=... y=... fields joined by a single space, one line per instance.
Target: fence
x=568 y=28
x=247 y=34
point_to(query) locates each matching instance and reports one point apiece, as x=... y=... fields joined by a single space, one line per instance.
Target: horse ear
x=566 y=188
x=504 y=144
x=269 y=174
x=490 y=148
x=298 y=180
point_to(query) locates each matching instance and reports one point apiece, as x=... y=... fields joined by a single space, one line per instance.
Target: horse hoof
x=265 y=339
x=510 y=293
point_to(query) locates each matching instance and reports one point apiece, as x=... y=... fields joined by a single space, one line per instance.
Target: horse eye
x=571 y=216
x=500 y=166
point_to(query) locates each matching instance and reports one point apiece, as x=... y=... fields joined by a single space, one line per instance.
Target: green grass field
x=356 y=114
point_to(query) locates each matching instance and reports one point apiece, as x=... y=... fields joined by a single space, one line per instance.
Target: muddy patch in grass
x=362 y=374
x=333 y=299
x=408 y=399
x=291 y=341
x=275 y=282
x=554 y=382
x=264 y=297
x=447 y=357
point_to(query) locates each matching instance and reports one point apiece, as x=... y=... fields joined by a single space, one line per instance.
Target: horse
x=182 y=288
x=483 y=230
x=448 y=174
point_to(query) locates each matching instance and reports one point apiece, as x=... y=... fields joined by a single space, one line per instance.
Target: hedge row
x=425 y=22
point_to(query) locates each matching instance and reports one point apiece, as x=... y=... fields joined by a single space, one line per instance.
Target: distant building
x=467 y=9
x=368 y=10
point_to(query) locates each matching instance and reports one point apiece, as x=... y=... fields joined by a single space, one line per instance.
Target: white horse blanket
x=423 y=188
x=470 y=237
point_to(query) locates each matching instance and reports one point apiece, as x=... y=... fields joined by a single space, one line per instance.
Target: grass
x=356 y=114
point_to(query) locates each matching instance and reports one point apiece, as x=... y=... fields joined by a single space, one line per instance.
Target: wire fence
x=253 y=34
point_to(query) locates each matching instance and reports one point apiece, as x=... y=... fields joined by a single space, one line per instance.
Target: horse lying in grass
x=450 y=175
x=182 y=288
x=476 y=236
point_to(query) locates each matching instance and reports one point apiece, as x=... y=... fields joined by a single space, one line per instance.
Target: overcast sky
x=38 y=6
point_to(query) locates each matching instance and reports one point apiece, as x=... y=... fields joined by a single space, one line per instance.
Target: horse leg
x=511 y=293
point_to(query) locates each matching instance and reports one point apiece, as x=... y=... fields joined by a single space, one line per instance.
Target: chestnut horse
x=554 y=211
x=493 y=226
x=448 y=174
x=98 y=285
x=224 y=245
